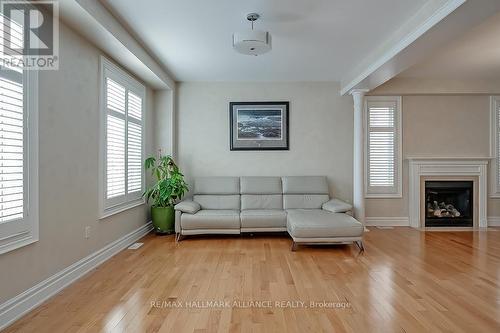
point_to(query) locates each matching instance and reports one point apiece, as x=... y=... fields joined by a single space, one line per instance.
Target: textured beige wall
x=444 y=125
x=69 y=134
x=321 y=125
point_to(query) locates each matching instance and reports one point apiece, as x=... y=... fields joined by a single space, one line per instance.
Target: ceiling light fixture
x=252 y=42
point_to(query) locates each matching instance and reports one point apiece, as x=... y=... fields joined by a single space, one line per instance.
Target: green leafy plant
x=170 y=185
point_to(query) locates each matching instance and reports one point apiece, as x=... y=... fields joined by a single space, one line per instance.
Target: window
x=18 y=145
x=495 y=146
x=383 y=147
x=122 y=179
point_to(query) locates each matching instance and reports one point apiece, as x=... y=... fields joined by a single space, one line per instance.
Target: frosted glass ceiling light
x=252 y=42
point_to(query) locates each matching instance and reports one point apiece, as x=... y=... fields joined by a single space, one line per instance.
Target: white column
x=359 y=156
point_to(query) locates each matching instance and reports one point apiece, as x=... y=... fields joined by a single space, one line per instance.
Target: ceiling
x=475 y=55
x=313 y=40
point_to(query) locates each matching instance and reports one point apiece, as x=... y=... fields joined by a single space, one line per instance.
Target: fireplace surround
x=424 y=169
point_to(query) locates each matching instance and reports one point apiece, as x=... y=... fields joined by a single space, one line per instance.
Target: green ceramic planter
x=163 y=219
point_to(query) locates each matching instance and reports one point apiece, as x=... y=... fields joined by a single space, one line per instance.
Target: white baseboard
x=493 y=221
x=19 y=305
x=387 y=221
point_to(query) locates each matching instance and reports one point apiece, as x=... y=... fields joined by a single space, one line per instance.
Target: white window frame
x=397 y=190
x=108 y=207
x=21 y=232
x=494 y=144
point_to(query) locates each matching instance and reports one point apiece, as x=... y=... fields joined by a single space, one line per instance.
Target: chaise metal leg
x=178 y=237
x=294 y=246
x=360 y=245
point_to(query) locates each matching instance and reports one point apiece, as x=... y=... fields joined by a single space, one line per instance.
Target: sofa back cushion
x=305 y=192
x=261 y=201
x=215 y=201
x=261 y=193
x=293 y=192
x=305 y=185
x=217 y=192
x=217 y=185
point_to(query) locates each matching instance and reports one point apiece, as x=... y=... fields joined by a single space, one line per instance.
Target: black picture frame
x=249 y=144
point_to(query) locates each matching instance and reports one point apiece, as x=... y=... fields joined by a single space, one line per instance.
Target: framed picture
x=259 y=125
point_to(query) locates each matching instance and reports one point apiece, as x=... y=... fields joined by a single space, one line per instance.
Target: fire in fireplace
x=449 y=203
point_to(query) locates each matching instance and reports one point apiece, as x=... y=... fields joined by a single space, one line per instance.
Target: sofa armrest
x=178 y=214
x=189 y=207
x=337 y=206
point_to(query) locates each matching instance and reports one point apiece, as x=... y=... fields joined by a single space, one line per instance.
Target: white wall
x=321 y=125
x=163 y=122
x=69 y=134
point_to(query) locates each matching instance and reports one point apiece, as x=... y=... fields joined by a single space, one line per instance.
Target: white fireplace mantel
x=447 y=167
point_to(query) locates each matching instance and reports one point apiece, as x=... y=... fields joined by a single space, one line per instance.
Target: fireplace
x=423 y=169
x=449 y=203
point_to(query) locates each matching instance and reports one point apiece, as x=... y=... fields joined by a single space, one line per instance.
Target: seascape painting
x=259 y=125
x=263 y=124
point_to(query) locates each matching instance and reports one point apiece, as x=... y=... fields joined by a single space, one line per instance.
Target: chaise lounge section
x=300 y=205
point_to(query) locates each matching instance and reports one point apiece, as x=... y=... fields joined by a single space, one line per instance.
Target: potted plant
x=165 y=192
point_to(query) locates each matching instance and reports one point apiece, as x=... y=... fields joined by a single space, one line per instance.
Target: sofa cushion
x=263 y=218
x=261 y=201
x=217 y=185
x=207 y=201
x=304 y=201
x=187 y=206
x=317 y=223
x=260 y=185
x=211 y=219
x=305 y=185
x=337 y=206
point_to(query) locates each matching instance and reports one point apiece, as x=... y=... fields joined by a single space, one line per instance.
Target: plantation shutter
x=382 y=148
x=18 y=141
x=115 y=140
x=12 y=126
x=134 y=163
x=124 y=143
x=11 y=43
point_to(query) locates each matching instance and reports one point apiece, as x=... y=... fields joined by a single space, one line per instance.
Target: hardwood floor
x=405 y=281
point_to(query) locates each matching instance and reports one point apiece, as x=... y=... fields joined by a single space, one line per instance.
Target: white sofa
x=299 y=205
